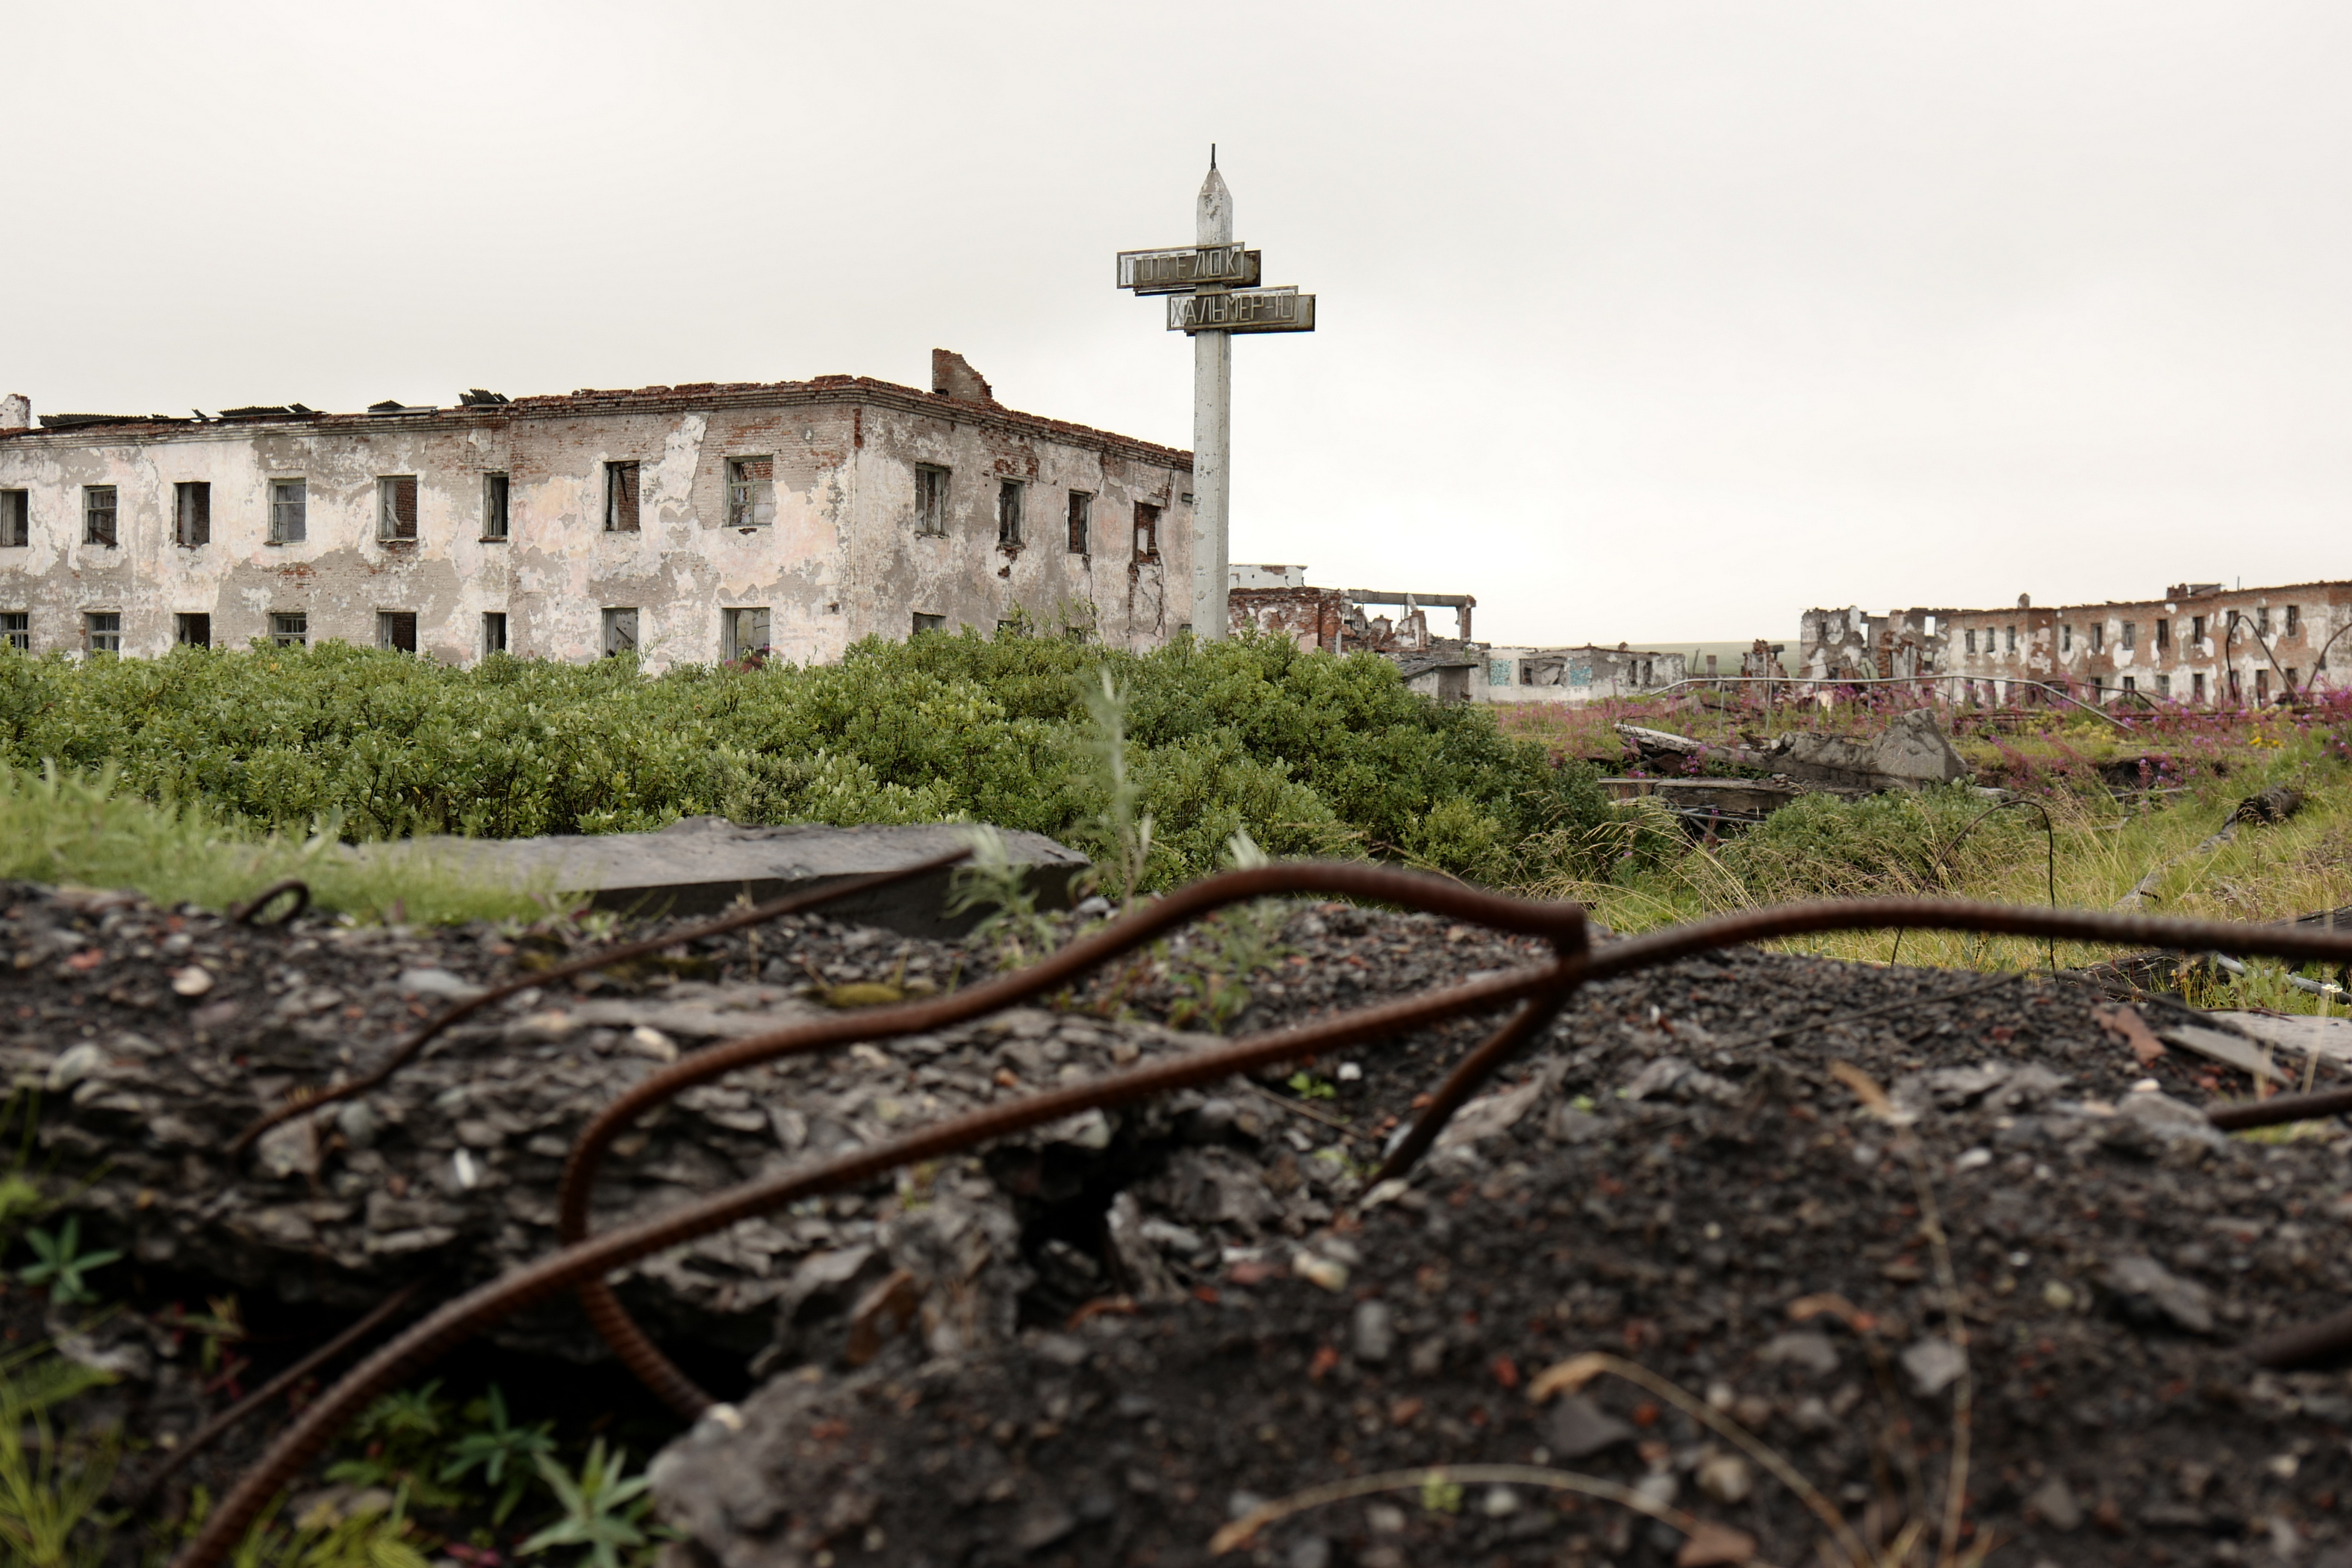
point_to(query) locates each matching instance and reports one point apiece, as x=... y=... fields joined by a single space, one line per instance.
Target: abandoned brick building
x=2201 y=643
x=688 y=523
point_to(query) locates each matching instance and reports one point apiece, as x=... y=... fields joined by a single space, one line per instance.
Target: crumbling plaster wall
x=2082 y=648
x=965 y=576
x=840 y=561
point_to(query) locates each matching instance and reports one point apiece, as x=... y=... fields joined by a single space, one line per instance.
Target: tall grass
x=1947 y=844
x=81 y=828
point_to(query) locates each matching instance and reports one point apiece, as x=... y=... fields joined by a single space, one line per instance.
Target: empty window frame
x=395 y=507
x=2196 y=686
x=743 y=632
x=2197 y=629
x=290 y=628
x=395 y=630
x=289 y=510
x=1971 y=636
x=2131 y=636
x=15 y=518
x=924 y=623
x=620 y=629
x=192 y=630
x=2261 y=682
x=2293 y=679
x=1147 y=530
x=2263 y=620
x=2293 y=619
x=98 y=514
x=16 y=630
x=1008 y=512
x=2011 y=639
x=2098 y=636
x=930 y=499
x=2237 y=691
x=494 y=632
x=494 y=505
x=2066 y=638
x=103 y=630
x=751 y=492
x=2163 y=636
x=2131 y=683
x=620 y=499
x=2163 y=686
x=192 y=514
x=1082 y=511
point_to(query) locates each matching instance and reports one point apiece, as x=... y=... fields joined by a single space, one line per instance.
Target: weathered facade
x=1575 y=675
x=2200 y=643
x=692 y=523
x=1277 y=599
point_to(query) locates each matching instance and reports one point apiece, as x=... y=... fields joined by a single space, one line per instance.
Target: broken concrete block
x=701 y=865
x=1913 y=753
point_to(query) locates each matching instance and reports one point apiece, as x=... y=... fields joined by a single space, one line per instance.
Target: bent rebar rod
x=312 y=1100
x=1562 y=924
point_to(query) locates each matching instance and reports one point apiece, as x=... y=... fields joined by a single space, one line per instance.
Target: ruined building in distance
x=687 y=523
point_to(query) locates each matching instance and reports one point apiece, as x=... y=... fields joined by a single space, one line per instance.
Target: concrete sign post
x=1212 y=295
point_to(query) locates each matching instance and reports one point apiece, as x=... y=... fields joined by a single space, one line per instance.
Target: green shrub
x=1305 y=753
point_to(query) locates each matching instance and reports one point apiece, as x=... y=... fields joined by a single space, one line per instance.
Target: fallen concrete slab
x=701 y=865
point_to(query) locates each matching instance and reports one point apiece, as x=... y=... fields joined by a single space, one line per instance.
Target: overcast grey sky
x=1647 y=321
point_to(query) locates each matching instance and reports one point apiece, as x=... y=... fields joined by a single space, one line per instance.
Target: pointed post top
x=1215 y=210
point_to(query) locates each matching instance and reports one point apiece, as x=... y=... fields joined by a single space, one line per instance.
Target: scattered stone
x=1805 y=1350
x=1934 y=1364
x=1580 y=1429
x=1375 y=1332
x=2148 y=1293
x=2054 y=1504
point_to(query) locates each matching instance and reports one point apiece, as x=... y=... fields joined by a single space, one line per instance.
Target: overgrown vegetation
x=2104 y=838
x=1305 y=753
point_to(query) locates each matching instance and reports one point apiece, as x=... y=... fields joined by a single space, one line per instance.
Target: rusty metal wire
x=312 y=1100
x=246 y=912
x=1562 y=923
x=382 y=1312
x=1540 y=989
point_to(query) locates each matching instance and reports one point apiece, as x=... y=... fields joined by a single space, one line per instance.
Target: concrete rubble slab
x=701 y=865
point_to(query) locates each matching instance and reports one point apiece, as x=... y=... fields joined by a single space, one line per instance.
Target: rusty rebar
x=245 y=913
x=376 y=1317
x=1563 y=924
x=566 y=1269
x=2280 y=1109
x=312 y=1100
x=589 y=1260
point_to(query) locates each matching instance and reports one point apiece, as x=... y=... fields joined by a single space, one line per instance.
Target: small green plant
x=601 y=1510
x=1439 y=1495
x=991 y=880
x=399 y=1432
x=366 y=1540
x=506 y=1454
x=1311 y=1086
x=62 y=1263
x=49 y=1489
x=1126 y=831
x=1240 y=942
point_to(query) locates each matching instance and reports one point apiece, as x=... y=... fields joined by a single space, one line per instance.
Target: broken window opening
x=2066 y=639
x=924 y=623
x=2293 y=679
x=192 y=514
x=396 y=509
x=15 y=518
x=1082 y=507
x=2163 y=686
x=2263 y=620
x=1971 y=634
x=494 y=505
x=2098 y=636
x=620 y=628
x=2261 y=685
x=2131 y=683
x=2196 y=629
x=620 y=499
x=2012 y=646
x=104 y=630
x=2163 y=636
x=2293 y=619
x=751 y=492
x=289 y=508
x=1146 y=532
x=2131 y=636
x=2197 y=687
x=930 y=499
x=192 y=630
x=290 y=628
x=2237 y=691
x=16 y=630
x=395 y=630
x=1008 y=513
x=494 y=632
x=98 y=514
x=743 y=632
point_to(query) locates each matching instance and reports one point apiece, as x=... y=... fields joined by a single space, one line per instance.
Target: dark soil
x=1133 y=1328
